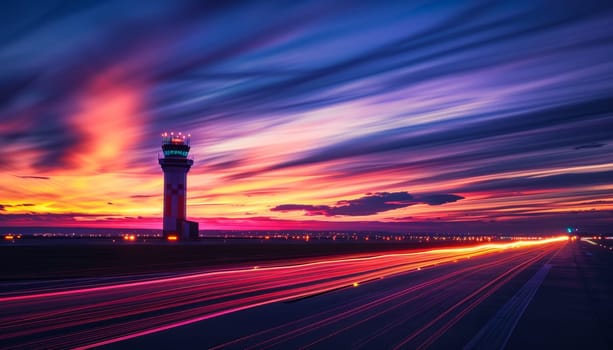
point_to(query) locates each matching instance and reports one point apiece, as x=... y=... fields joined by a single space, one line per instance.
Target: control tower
x=176 y=164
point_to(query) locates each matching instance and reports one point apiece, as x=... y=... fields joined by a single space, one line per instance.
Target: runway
x=413 y=299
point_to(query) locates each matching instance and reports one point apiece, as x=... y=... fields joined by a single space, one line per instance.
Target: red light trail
x=97 y=314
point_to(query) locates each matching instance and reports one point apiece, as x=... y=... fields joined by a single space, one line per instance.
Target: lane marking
x=496 y=332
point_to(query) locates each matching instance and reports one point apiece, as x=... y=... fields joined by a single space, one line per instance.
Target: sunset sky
x=401 y=116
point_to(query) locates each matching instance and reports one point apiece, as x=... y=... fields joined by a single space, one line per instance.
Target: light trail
x=395 y=300
x=98 y=315
x=469 y=303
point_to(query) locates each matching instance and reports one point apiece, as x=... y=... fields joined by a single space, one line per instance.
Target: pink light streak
x=186 y=299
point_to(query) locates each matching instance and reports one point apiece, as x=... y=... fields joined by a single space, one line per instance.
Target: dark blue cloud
x=370 y=204
x=590 y=145
x=558 y=181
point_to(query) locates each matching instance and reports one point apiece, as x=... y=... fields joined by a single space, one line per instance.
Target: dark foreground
x=73 y=258
x=555 y=295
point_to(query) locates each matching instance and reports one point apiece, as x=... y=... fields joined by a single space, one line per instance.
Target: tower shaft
x=175 y=165
x=175 y=194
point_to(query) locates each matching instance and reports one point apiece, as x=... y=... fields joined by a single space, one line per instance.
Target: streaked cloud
x=507 y=106
x=33 y=177
x=591 y=145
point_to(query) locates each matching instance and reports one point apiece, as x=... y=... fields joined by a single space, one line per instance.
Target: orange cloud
x=109 y=117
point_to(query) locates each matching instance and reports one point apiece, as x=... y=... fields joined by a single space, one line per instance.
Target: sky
x=408 y=116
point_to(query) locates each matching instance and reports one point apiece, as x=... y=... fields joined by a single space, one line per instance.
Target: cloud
x=463 y=131
x=4 y=206
x=590 y=145
x=33 y=177
x=558 y=181
x=45 y=218
x=48 y=134
x=598 y=202
x=439 y=199
x=370 y=204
